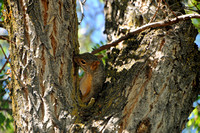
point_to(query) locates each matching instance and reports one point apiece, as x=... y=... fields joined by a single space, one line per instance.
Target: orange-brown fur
x=93 y=79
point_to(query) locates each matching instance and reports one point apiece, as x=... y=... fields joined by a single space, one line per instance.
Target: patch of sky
x=197 y=41
x=93 y=20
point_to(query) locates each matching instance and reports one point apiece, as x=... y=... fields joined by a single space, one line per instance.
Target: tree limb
x=12 y=68
x=5 y=109
x=144 y=27
x=6 y=38
x=7 y=59
x=5 y=64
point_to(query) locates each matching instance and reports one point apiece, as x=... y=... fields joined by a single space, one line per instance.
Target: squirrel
x=92 y=81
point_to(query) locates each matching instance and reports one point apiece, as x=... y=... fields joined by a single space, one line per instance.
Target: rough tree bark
x=44 y=36
x=156 y=71
x=152 y=78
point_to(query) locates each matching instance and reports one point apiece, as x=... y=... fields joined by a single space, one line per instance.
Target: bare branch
x=5 y=64
x=169 y=8
x=1 y=24
x=152 y=19
x=6 y=38
x=12 y=68
x=4 y=109
x=144 y=27
x=4 y=52
x=81 y=3
x=7 y=59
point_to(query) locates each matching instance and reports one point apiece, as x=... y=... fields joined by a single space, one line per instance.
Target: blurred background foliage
x=90 y=37
x=193 y=125
x=193 y=6
x=6 y=119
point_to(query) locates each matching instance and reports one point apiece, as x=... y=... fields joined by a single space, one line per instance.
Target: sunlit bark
x=45 y=36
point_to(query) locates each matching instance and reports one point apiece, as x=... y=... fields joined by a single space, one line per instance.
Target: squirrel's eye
x=83 y=62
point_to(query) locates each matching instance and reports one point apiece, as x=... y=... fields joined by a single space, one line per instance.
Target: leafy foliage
x=6 y=119
x=193 y=124
x=103 y=53
x=1 y=9
x=193 y=6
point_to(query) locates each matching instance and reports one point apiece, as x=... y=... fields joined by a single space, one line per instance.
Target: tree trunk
x=44 y=35
x=156 y=71
x=152 y=78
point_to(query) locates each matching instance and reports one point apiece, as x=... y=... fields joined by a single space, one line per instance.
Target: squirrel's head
x=88 y=62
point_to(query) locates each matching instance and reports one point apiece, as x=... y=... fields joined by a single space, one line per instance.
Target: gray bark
x=156 y=71
x=45 y=39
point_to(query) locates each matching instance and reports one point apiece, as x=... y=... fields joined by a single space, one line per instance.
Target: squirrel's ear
x=95 y=65
x=100 y=56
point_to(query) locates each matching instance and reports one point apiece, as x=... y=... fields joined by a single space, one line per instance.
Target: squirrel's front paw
x=92 y=100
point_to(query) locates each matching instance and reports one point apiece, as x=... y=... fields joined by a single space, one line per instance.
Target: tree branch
x=144 y=27
x=1 y=24
x=5 y=64
x=5 y=109
x=6 y=38
x=7 y=59
x=12 y=68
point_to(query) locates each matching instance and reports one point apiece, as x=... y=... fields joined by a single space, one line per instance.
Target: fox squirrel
x=94 y=77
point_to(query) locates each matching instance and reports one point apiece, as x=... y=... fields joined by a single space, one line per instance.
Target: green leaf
x=5 y=105
x=8 y=121
x=2 y=119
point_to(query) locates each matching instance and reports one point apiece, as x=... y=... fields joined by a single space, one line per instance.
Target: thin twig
x=152 y=19
x=6 y=38
x=5 y=64
x=144 y=27
x=169 y=8
x=195 y=5
x=81 y=3
x=18 y=79
x=4 y=53
x=1 y=24
x=4 y=109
